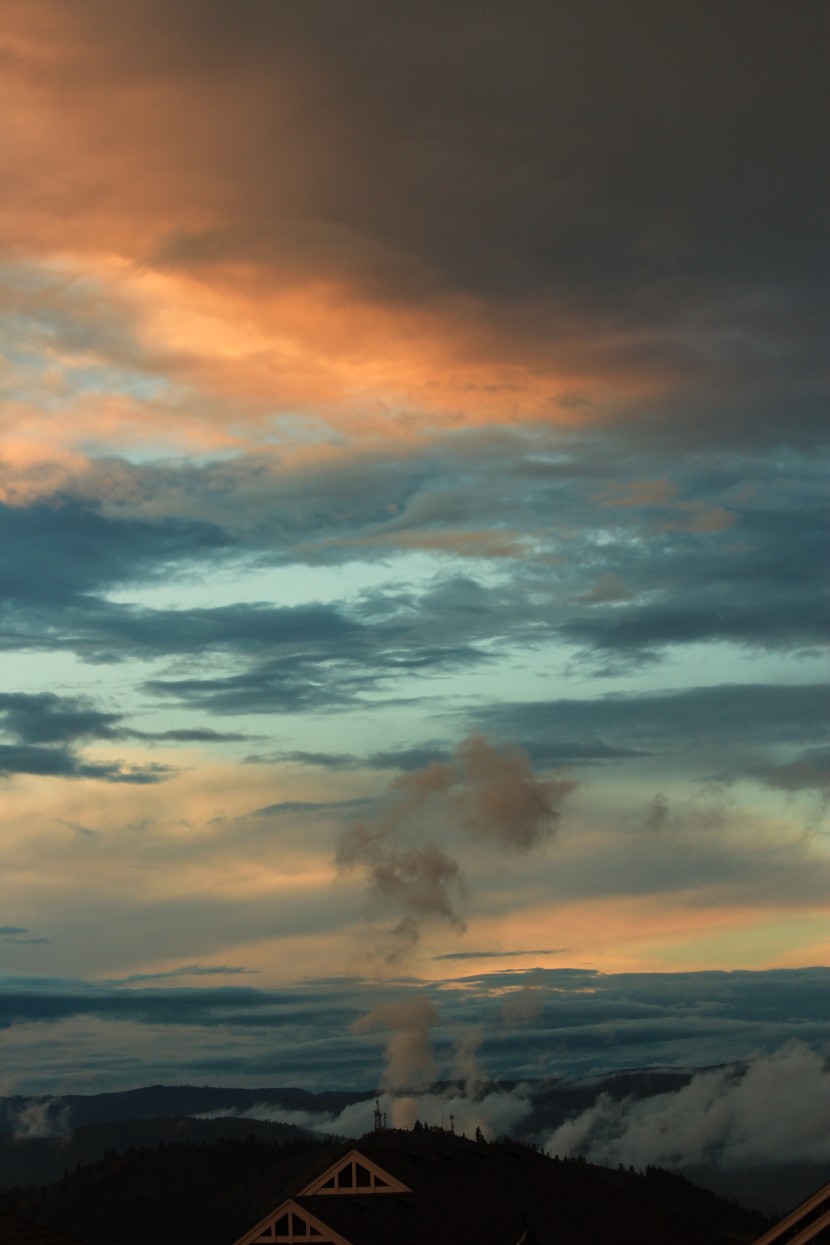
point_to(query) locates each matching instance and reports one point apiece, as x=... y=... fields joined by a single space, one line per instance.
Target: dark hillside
x=43 y=1160
x=213 y=1193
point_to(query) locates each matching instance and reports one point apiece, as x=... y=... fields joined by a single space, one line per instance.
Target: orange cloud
x=225 y=209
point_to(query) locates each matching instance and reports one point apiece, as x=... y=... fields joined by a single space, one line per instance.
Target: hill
x=214 y=1192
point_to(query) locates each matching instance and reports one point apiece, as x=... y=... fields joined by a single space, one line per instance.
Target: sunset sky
x=412 y=487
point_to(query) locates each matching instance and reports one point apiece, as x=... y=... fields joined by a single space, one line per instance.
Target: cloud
x=63 y=763
x=540 y=1022
x=496 y=955
x=41 y=721
x=14 y=935
x=524 y=249
x=310 y=807
x=772 y=1109
x=620 y=594
x=186 y=970
x=47 y=1118
x=810 y=770
x=724 y=716
x=45 y=718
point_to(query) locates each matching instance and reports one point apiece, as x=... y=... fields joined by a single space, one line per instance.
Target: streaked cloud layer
x=412 y=447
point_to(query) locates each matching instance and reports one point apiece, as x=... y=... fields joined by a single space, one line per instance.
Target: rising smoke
x=483 y=794
x=409 y=1059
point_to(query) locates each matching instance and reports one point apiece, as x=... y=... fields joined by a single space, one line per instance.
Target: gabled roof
x=291 y=1222
x=354 y=1173
x=805 y=1223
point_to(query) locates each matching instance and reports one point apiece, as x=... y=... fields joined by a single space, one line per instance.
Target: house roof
x=17 y=1230
x=809 y=1222
x=471 y=1194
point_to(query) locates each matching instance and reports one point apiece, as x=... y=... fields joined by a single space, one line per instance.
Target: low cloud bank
x=773 y=1110
x=43 y=1117
x=496 y=1113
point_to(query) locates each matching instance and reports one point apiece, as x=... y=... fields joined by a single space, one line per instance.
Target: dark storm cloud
x=646 y=165
x=625 y=189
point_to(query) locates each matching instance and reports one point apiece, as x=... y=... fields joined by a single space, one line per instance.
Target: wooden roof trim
x=791 y=1220
x=328 y=1236
x=391 y=1183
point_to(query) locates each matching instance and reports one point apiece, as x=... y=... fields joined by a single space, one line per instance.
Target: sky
x=413 y=495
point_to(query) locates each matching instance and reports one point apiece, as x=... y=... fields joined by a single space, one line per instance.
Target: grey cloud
x=62 y=763
x=194 y=735
x=42 y=720
x=47 y=727
x=45 y=718
x=325 y=760
x=583 y=1021
x=496 y=955
x=751 y=714
x=407 y=759
x=292 y=807
x=336 y=675
x=809 y=770
x=684 y=178
x=186 y=970
x=638 y=632
x=171 y=1006
x=79 y=551
x=752 y=585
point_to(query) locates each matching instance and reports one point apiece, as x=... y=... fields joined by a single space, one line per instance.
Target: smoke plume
x=418 y=883
x=483 y=793
x=409 y=1058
